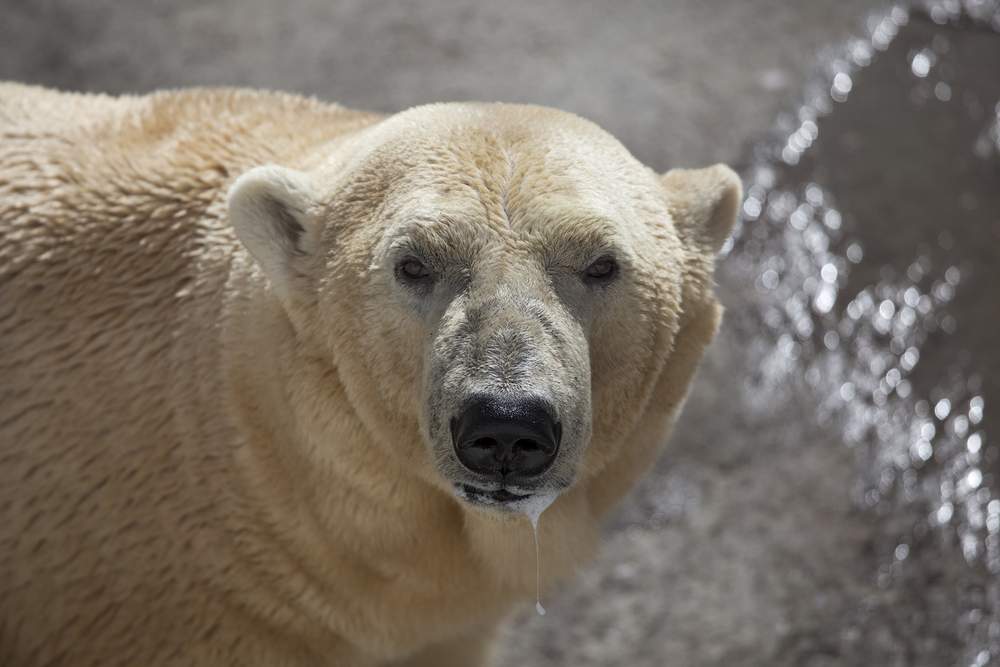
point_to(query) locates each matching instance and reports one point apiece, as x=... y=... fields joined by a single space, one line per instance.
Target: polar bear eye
x=411 y=269
x=602 y=270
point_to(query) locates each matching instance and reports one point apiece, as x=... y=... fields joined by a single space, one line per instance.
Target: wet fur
x=208 y=460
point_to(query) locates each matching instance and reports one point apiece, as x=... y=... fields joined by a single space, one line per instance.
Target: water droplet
x=533 y=508
x=829 y=273
x=921 y=63
x=927 y=430
x=824 y=300
x=944 y=513
x=842 y=85
x=832 y=219
x=752 y=208
x=976 y=409
x=922 y=450
x=814 y=194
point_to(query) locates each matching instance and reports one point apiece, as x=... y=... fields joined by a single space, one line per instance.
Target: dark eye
x=412 y=269
x=602 y=270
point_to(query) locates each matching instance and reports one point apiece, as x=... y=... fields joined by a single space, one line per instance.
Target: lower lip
x=499 y=497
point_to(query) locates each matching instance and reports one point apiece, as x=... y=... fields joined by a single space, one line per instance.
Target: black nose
x=506 y=435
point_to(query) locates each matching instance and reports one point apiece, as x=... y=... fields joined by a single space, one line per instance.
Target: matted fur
x=211 y=460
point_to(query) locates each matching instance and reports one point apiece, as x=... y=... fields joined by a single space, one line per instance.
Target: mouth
x=489 y=497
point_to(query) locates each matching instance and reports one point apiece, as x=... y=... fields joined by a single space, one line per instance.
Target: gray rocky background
x=678 y=81
x=829 y=496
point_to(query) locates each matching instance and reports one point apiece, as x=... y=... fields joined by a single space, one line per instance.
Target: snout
x=508 y=437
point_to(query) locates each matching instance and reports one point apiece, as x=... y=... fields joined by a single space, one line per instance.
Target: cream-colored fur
x=220 y=414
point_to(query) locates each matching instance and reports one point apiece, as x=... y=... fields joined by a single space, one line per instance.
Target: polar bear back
x=114 y=251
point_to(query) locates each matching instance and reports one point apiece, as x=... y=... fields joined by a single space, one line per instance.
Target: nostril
x=485 y=443
x=527 y=446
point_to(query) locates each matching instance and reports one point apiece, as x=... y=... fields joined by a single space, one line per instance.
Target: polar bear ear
x=704 y=204
x=269 y=209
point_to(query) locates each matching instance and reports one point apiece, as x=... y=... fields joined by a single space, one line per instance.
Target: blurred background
x=831 y=495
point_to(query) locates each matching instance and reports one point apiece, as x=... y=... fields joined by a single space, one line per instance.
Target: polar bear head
x=499 y=288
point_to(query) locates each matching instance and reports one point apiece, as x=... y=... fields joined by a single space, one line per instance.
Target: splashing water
x=533 y=508
x=848 y=512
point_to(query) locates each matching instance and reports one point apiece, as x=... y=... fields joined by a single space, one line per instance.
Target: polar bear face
x=499 y=287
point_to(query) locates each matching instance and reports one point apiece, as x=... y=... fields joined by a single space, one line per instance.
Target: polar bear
x=281 y=379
